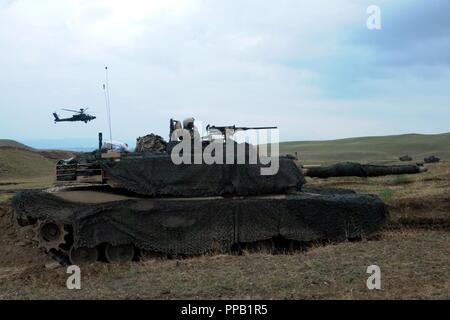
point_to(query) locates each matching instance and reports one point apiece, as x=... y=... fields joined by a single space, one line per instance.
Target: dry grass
x=369 y=149
x=21 y=163
x=414 y=264
x=4 y=198
x=13 y=185
x=418 y=199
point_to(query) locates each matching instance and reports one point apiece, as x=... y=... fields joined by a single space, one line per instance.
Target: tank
x=119 y=206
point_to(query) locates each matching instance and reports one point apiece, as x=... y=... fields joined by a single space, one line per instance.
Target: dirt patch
x=17 y=247
x=431 y=212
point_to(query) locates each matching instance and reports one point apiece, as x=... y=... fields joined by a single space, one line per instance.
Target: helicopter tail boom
x=56 y=116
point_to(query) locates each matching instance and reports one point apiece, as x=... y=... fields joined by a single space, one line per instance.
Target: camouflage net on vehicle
x=352 y=169
x=151 y=143
x=195 y=226
x=158 y=176
x=432 y=159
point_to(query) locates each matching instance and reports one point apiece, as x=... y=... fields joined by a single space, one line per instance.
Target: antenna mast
x=107 y=101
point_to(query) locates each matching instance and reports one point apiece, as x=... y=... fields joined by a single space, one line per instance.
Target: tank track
x=63 y=251
x=56 y=240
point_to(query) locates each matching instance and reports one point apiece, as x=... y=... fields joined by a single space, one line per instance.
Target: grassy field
x=22 y=167
x=414 y=199
x=370 y=149
x=414 y=264
x=22 y=163
x=412 y=253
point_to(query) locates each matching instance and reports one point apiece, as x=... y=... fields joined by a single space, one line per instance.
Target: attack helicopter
x=78 y=116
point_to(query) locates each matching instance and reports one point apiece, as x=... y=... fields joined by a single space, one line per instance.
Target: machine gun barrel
x=223 y=129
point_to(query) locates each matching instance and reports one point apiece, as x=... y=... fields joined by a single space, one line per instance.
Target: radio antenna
x=107 y=101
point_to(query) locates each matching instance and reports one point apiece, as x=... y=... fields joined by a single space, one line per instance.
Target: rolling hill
x=7 y=143
x=368 y=149
x=23 y=163
x=19 y=161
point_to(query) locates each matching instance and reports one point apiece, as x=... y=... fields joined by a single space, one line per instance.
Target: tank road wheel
x=83 y=255
x=120 y=253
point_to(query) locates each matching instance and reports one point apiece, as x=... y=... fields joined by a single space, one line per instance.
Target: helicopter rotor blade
x=71 y=110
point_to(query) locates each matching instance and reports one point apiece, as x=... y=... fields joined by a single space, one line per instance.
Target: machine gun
x=232 y=129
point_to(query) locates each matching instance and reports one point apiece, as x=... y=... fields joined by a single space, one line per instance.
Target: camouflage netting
x=405 y=158
x=195 y=226
x=157 y=175
x=151 y=143
x=432 y=159
x=349 y=169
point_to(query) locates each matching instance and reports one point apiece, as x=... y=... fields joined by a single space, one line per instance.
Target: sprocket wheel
x=50 y=235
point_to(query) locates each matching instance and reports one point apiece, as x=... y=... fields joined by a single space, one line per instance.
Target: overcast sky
x=312 y=68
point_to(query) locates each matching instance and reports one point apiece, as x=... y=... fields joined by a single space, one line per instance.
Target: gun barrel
x=234 y=128
x=255 y=128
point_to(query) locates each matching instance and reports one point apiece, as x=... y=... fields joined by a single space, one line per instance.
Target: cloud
x=414 y=33
x=311 y=68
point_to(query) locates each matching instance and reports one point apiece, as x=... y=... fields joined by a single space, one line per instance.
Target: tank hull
x=192 y=226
